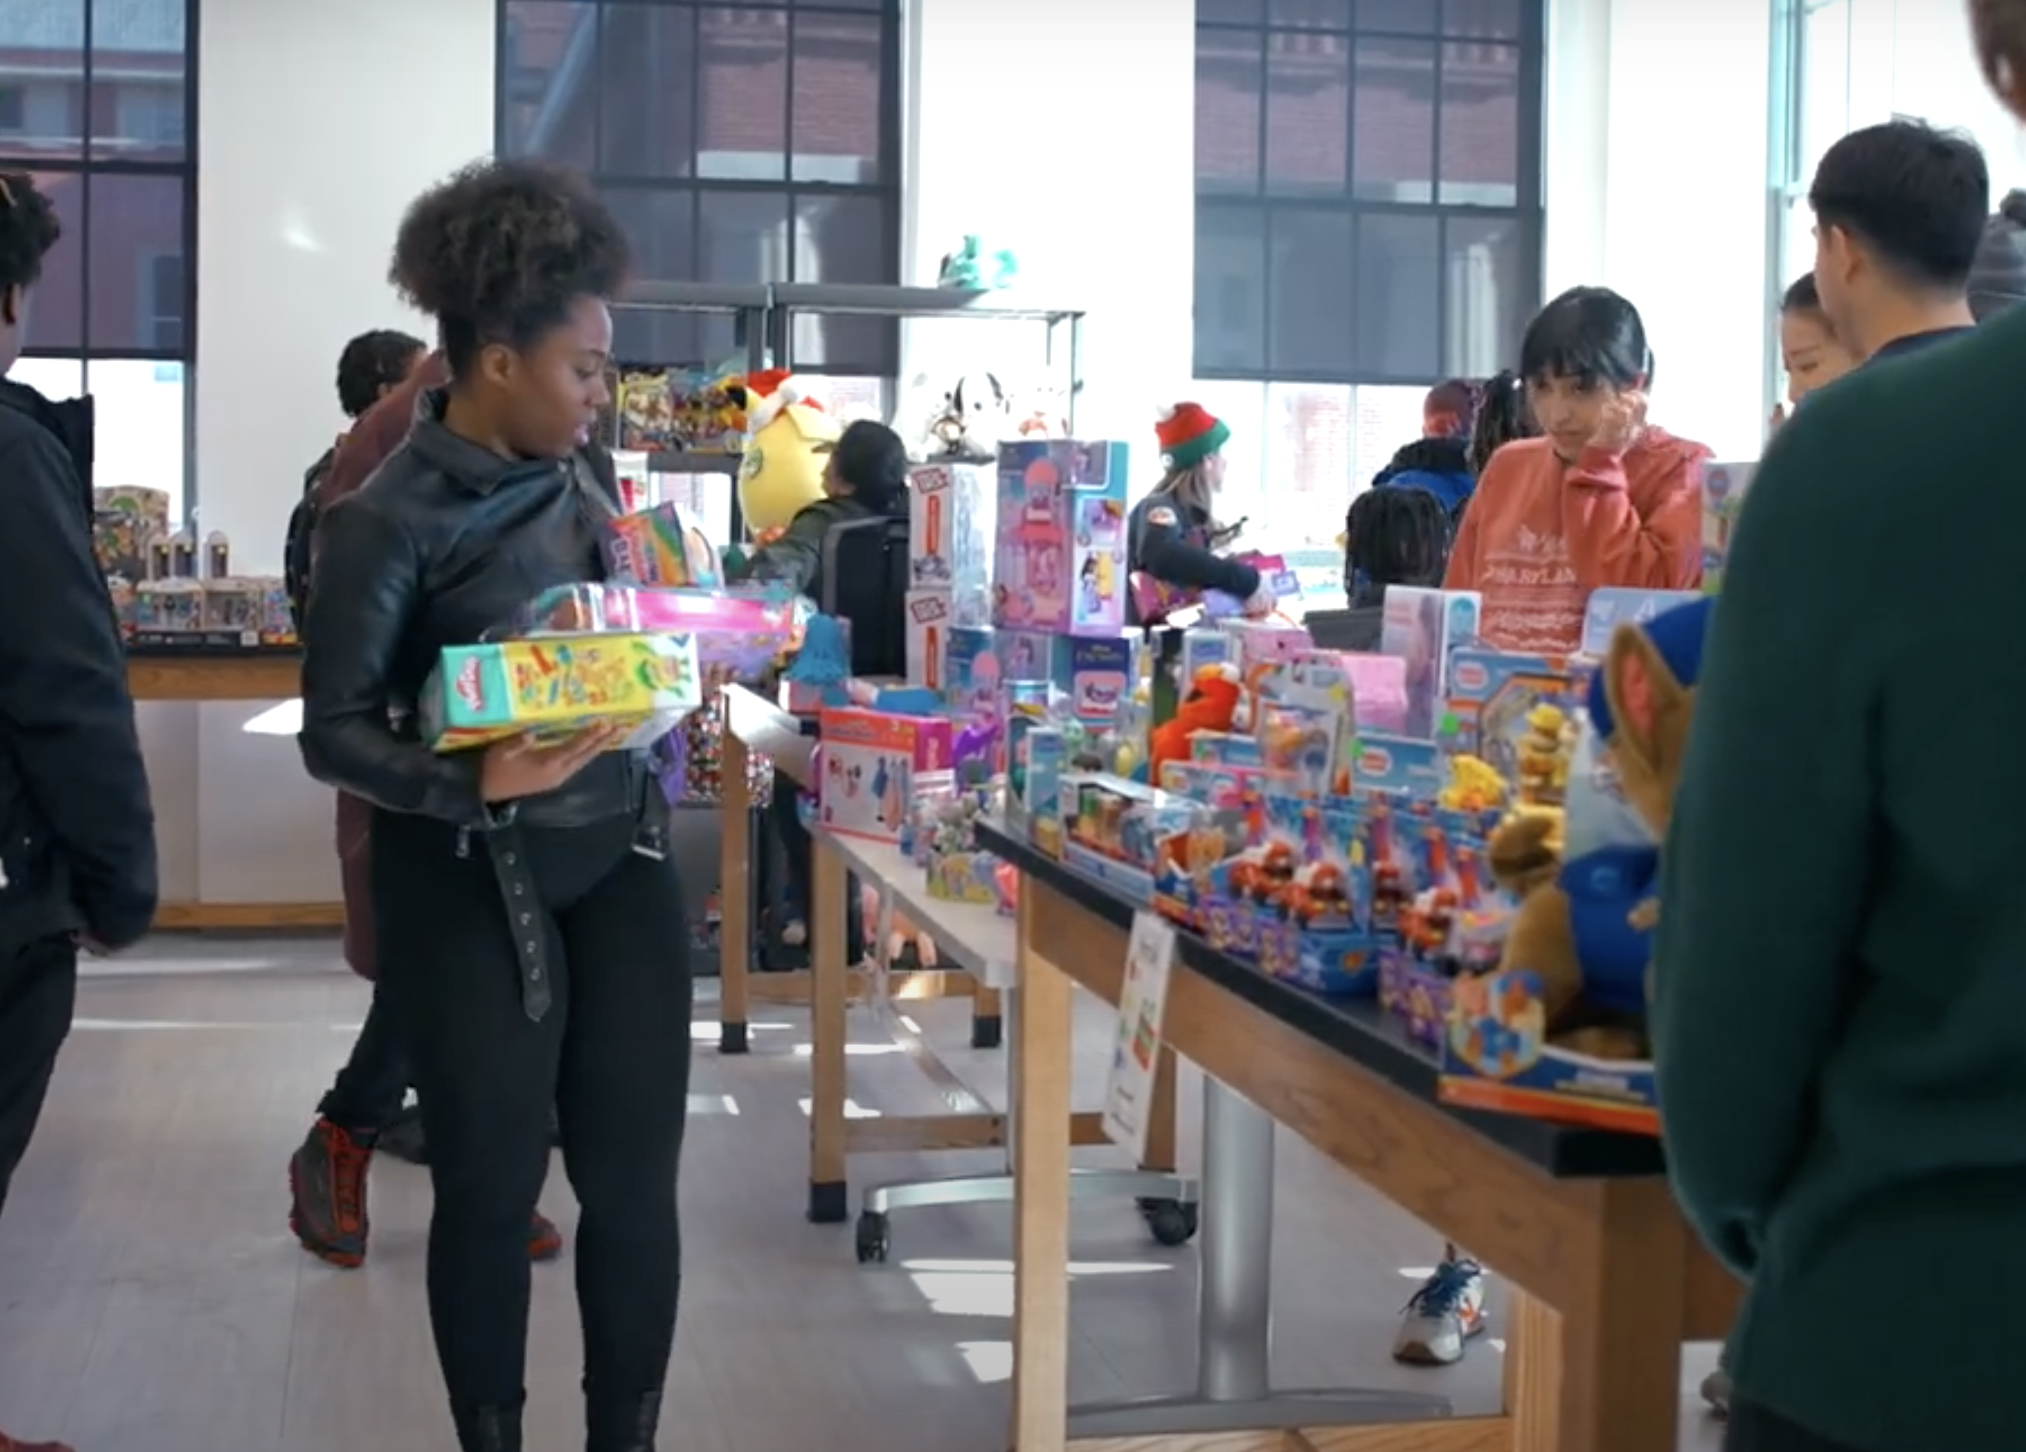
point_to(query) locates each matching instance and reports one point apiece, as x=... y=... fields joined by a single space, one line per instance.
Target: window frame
x=86 y=168
x=886 y=193
x=1528 y=212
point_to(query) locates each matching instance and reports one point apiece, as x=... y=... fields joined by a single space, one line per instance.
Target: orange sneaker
x=545 y=1242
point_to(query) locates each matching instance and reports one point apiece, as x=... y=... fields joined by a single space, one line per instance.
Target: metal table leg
x=1234 y=1330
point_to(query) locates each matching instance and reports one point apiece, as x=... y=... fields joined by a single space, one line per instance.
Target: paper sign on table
x=1143 y=1003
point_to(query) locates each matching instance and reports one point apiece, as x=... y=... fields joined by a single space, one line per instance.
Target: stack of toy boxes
x=950 y=533
x=1423 y=628
x=1061 y=564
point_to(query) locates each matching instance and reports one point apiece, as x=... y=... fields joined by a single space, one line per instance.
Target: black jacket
x=295 y=550
x=1167 y=539
x=796 y=558
x=442 y=545
x=77 y=832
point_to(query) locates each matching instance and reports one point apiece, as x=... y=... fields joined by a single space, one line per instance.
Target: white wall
x=318 y=123
x=1915 y=58
x=1656 y=167
x=1067 y=135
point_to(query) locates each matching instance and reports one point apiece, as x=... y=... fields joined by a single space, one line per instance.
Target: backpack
x=295 y=553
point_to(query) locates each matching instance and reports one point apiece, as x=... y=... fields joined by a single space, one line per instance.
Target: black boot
x=622 y=1424
x=488 y=1429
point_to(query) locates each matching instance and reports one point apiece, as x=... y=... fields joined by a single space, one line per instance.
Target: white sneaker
x=794 y=933
x=1442 y=1316
x=1716 y=1390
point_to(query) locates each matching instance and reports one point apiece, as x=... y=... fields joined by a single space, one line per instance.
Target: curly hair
x=501 y=251
x=372 y=363
x=1394 y=535
x=28 y=229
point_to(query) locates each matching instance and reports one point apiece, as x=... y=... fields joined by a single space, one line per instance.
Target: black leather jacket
x=439 y=547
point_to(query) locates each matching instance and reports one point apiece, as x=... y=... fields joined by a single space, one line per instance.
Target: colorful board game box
x=479 y=694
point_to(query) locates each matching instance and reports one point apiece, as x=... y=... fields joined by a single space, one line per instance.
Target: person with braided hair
x=1391 y=537
x=77 y=833
x=528 y=919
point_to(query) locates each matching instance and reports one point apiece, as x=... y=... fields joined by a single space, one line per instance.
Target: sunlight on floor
x=708 y=1030
x=852 y=1108
x=985 y=1287
x=989 y=1361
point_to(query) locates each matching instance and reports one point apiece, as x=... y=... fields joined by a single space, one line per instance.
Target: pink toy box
x=1062 y=537
x=1423 y=627
x=870 y=762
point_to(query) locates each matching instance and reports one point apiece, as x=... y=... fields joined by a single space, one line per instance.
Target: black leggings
x=38 y=993
x=611 y=1055
x=1754 y=1429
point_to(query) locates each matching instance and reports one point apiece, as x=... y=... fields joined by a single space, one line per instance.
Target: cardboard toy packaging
x=1723 y=495
x=871 y=761
x=1061 y=560
x=928 y=638
x=1517 y=712
x=951 y=536
x=661 y=546
x=1612 y=607
x=1423 y=628
x=479 y=694
x=1095 y=672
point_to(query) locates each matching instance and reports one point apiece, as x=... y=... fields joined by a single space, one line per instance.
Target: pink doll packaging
x=1378 y=691
x=1423 y=627
x=871 y=760
x=1061 y=562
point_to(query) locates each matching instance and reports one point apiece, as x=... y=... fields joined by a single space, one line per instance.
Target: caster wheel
x=1171 y=1221
x=874 y=1238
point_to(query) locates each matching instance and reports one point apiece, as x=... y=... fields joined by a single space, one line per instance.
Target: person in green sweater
x=1839 y=1018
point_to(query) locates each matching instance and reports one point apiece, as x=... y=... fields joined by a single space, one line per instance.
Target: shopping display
x=174 y=591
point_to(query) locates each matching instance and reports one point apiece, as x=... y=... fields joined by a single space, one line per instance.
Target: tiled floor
x=151 y=1299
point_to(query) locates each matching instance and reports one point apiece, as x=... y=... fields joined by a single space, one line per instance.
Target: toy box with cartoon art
x=1517 y=714
x=927 y=616
x=1259 y=644
x=1425 y=628
x=1061 y=558
x=1452 y=916
x=945 y=842
x=741 y=635
x=1233 y=799
x=950 y=529
x=1133 y=838
x=1397 y=766
x=1611 y=607
x=971 y=673
x=1723 y=495
x=1044 y=766
x=1315 y=928
x=1296 y=699
x=559 y=685
x=1095 y=673
x=871 y=760
x=1496 y=1055
x=663 y=545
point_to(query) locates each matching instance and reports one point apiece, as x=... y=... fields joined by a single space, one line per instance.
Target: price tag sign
x=1136 y=1054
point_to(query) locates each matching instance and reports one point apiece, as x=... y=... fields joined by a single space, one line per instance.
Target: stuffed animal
x=971 y=422
x=973 y=268
x=1211 y=705
x=1584 y=926
x=788 y=439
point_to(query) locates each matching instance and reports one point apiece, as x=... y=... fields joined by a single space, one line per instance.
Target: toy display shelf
x=1606 y=1281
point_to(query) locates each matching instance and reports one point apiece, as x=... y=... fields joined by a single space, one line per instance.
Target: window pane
x=742 y=94
x=1231 y=12
x=548 y=54
x=1310 y=280
x=1241 y=404
x=646 y=90
x=1308 y=113
x=845 y=239
x=1491 y=19
x=1388 y=417
x=136 y=277
x=1394 y=130
x=1479 y=165
x=662 y=228
x=139 y=57
x=57 y=378
x=1490 y=301
x=1399 y=288
x=1308 y=462
x=1230 y=74
x=1400 y=17
x=56 y=305
x=835 y=108
x=1230 y=289
x=1825 y=81
x=1797 y=244
x=1310 y=14
x=141 y=434
x=42 y=81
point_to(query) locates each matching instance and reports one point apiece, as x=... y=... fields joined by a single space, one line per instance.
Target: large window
x=1811 y=111
x=1368 y=221
x=96 y=105
x=738 y=143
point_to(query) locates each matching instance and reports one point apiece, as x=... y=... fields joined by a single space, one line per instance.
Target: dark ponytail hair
x=1502 y=417
x=1394 y=535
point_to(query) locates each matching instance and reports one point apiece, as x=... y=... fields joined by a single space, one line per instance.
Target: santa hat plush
x=1189 y=433
x=768 y=393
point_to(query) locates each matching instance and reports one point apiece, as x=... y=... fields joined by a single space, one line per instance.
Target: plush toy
x=970 y=422
x=972 y=268
x=788 y=438
x=1585 y=925
x=1211 y=705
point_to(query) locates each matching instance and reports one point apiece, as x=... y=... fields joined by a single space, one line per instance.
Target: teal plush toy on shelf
x=971 y=268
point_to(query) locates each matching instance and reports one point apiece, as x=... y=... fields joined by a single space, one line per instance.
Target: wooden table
x=983 y=944
x=1605 y=1279
x=755 y=724
x=217 y=676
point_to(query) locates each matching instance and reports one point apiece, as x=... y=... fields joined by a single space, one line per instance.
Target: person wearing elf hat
x=1172 y=529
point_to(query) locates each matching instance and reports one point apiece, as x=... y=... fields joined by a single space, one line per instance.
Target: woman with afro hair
x=530 y=928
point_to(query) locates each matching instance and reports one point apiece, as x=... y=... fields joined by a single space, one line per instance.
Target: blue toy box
x=1518 y=713
x=1496 y=1056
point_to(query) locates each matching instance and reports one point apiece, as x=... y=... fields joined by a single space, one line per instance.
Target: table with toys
x=1605 y=1280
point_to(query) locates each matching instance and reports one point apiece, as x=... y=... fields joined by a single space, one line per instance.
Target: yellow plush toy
x=788 y=441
